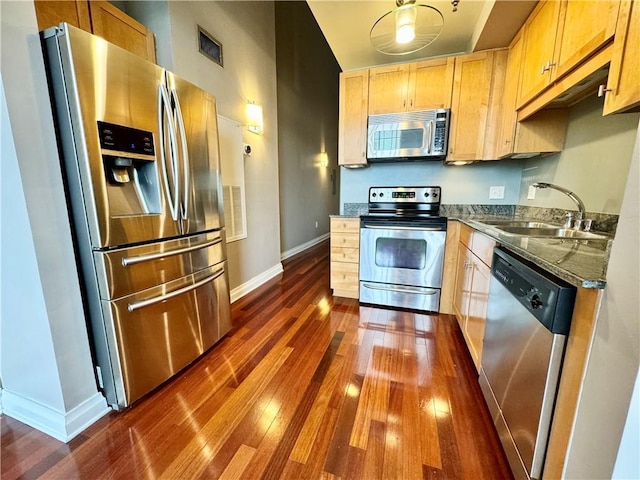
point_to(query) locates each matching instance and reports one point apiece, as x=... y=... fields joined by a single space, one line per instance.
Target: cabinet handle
x=602 y=89
x=404 y=103
x=547 y=67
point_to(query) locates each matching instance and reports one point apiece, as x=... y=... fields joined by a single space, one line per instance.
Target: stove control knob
x=434 y=194
x=426 y=194
x=381 y=194
x=374 y=194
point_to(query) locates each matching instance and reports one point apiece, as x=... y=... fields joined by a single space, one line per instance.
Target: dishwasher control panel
x=547 y=297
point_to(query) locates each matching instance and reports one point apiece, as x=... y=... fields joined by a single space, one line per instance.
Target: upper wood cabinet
x=118 y=28
x=431 y=84
x=583 y=28
x=51 y=13
x=623 y=85
x=539 y=41
x=352 y=130
x=558 y=36
x=411 y=87
x=544 y=132
x=470 y=106
x=100 y=18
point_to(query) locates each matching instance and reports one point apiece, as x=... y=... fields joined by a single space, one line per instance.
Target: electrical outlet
x=531 y=194
x=496 y=193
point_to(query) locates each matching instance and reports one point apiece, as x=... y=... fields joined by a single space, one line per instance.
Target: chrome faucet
x=580 y=220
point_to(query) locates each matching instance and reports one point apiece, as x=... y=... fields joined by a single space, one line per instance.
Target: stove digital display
x=403 y=194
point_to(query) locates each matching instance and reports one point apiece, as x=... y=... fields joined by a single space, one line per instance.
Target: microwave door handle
x=164 y=113
x=185 y=153
x=430 y=124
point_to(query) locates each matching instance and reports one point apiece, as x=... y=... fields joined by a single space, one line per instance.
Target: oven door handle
x=421 y=291
x=419 y=229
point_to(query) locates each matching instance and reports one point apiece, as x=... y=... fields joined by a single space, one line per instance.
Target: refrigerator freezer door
x=199 y=162
x=161 y=330
x=95 y=81
x=125 y=271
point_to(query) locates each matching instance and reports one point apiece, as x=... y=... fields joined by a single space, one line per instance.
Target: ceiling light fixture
x=407 y=28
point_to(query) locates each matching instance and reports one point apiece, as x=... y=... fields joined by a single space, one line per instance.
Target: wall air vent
x=209 y=46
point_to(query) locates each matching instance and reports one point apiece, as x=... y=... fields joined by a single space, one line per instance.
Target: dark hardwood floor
x=305 y=386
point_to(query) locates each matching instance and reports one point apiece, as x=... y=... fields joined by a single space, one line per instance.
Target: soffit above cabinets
x=477 y=25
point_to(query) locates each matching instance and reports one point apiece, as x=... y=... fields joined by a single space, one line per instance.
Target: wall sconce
x=254 y=117
x=324 y=159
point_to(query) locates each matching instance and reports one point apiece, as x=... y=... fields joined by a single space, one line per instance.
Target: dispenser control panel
x=125 y=139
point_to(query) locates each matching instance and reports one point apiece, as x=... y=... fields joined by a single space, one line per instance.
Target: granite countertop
x=582 y=263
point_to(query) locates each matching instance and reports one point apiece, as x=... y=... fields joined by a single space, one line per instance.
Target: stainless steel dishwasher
x=528 y=319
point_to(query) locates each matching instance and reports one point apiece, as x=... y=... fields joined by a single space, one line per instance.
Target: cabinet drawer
x=344 y=276
x=341 y=254
x=345 y=240
x=482 y=247
x=346 y=225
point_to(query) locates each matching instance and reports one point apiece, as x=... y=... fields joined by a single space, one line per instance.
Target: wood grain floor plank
x=237 y=465
x=281 y=396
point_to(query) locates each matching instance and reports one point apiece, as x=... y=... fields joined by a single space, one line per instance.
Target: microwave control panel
x=440 y=133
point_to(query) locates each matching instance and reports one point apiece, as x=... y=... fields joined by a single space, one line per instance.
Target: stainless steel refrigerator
x=140 y=156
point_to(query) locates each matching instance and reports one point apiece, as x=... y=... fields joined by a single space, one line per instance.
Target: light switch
x=531 y=194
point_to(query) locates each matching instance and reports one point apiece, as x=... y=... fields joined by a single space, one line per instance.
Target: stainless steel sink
x=518 y=223
x=552 y=231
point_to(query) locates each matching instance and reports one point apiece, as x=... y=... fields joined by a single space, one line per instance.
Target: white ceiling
x=477 y=25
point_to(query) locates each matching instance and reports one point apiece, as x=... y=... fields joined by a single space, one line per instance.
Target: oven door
x=402 y=265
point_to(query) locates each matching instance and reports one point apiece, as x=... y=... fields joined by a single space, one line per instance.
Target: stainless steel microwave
x=408 y=136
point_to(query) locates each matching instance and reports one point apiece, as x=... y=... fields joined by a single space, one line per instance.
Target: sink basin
x=551 y=231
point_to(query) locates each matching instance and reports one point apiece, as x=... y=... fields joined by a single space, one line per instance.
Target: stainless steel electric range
x=402 y=242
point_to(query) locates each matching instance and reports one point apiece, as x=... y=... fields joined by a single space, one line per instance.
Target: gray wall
x=308 y=92
x=594 y=162
x=246 y=31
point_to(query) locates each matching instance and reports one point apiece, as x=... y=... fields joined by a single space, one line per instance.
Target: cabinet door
x=388 y=89
x=431 y=84
x=477 y=316
x=584 y=27
x=539 y=41
x=352 y=130
x=469 y=106
x=624 y=75
x=50 y=13
x=510 y=96
x=462 y=290
x=118 y=28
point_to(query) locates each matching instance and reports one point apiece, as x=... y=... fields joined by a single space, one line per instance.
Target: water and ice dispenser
x=129 y=160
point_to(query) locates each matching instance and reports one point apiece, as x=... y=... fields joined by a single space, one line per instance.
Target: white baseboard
x=301 y=248
x=255 y=282
x=60 y=425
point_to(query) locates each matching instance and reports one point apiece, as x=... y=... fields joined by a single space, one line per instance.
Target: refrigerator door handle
x=126 y=261
x=185 y=153
x=160 y=298
x=164 y=112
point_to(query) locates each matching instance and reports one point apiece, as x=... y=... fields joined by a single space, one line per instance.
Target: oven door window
x=401 y=253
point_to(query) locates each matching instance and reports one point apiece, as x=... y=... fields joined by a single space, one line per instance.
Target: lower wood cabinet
x=345 y=256
x=471 y=293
